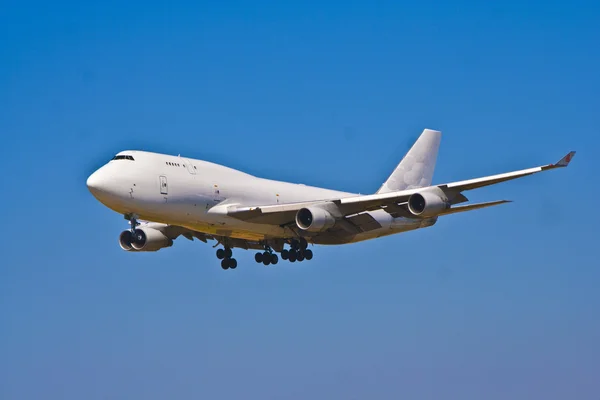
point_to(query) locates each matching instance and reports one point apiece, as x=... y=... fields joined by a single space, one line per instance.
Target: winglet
x=565 y=160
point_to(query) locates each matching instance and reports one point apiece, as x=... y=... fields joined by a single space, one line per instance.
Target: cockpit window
x=123 y=158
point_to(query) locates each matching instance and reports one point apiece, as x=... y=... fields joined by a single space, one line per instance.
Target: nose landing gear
x=132 y=218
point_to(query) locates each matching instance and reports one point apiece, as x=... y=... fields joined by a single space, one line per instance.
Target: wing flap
x=364 y=222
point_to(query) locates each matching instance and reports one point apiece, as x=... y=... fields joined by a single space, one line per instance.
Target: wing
x=493 y=179
x=393 y=202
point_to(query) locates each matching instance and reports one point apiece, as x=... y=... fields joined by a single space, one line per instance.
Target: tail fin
x=416 y=168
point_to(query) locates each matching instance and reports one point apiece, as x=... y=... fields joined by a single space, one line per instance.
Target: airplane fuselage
x=196 y=195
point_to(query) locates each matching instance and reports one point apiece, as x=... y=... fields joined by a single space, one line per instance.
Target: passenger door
x=164 y=187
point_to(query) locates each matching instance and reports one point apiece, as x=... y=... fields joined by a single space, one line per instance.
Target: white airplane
x=199 y=199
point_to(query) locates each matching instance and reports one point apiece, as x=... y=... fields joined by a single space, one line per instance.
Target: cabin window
x=173 y=164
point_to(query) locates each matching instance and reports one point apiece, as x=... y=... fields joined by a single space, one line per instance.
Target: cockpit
x=122 y=157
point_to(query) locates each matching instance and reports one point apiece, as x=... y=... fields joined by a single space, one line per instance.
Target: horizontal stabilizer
x=470 y=207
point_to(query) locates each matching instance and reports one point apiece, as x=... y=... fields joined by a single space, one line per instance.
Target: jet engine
x=426 y=204
x=314 y=219
x=144 y=239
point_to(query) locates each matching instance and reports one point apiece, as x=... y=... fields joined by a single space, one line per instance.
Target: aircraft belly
x=252 y=232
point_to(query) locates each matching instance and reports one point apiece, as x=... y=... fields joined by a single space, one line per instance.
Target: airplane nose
x=95 y=182
x=107 y=187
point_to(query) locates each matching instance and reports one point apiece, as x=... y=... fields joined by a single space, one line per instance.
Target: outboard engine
x=427 y=204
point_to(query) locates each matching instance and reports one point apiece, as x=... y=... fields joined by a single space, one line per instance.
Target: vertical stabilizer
x=416 y=168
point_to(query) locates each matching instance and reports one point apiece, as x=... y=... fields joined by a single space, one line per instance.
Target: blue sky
x=498 y=303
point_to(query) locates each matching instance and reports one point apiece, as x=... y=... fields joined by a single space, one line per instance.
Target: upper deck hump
x=148 y=156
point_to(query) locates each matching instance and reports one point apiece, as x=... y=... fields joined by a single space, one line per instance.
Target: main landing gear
x=267 y=257
x=298 y=251
x=225 y=255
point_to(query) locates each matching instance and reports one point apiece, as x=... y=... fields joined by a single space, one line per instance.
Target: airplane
x=165 y=196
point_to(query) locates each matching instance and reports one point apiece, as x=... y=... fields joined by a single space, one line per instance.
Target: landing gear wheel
x=303 y=244
x=225 y=263
x=266 y=260
x=220 y=254
x=232 y=263
x=274 y=259
x=284 y=254
x=258 y=257
x=292 y=256
x=308 y=254
x=300 y=257
x=228 y=252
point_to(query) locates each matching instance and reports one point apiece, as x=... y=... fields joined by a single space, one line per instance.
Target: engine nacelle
x=125 y=240
x=144 y=239
x=426 y=204
x=314 y=219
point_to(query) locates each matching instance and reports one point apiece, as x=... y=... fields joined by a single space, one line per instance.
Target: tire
x=258 y=257
x=228 y=252
x=220 y=254
x=232 y=263
x=308 y=254
x=266 y=261
x=225 y=263
x=300 y=257
x=274 y=259
x=293 y=256
x=303 y=244
x=284 y=254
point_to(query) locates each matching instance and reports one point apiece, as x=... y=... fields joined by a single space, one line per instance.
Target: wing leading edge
x=281 y=214
x=493 y=179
